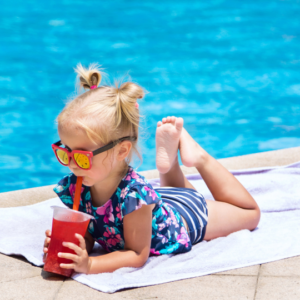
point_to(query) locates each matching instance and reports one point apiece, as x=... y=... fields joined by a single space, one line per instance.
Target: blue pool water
x=229 y=68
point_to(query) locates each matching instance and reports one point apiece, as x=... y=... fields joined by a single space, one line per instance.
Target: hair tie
x=136 y=105
x=93 y=87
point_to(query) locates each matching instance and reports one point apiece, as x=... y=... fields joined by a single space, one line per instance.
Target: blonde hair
x=105 y=113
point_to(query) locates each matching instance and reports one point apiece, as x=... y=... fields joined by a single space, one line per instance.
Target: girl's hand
x=81 y=261
x=46 y=244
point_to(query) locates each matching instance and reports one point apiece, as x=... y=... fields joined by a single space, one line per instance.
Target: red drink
x=64 y=231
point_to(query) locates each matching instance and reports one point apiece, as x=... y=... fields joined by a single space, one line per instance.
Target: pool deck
x=276 y=280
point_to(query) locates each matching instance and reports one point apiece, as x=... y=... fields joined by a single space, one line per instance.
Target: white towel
x=276 y=190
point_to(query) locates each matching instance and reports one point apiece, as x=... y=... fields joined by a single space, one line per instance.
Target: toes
x=166 y=120
x=159 y=123
x=172 y=120
x=169 y=119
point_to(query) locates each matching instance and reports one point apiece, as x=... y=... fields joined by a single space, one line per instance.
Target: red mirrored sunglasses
x=83 y=159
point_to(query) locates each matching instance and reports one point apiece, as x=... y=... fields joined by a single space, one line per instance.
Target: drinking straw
x=77 y=193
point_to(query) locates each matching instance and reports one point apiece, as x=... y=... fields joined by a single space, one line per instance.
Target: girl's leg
x=234 y=208
x=175 y=177
x=167 y=143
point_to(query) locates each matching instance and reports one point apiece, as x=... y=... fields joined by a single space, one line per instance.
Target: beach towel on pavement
x=276 y=190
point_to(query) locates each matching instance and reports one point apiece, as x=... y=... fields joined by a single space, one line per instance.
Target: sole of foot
x=168 y=133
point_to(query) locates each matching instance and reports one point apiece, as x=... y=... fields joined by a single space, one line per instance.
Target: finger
x=72 y=246
x=48 y=232
x=67 y=266
x=82 y=243
x=47 y=242
x=68 y=256
x=45 y=250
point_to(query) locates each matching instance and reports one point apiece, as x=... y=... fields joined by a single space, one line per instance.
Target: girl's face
x=103 y=164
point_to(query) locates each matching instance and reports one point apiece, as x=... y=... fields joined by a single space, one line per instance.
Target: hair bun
x=90 y=77
x=132 y=90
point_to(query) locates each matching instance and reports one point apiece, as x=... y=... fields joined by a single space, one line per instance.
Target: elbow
x=256 y=218
x=141 y=264
x=141 y=260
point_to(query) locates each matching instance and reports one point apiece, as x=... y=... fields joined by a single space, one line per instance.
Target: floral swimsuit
x=168 y=232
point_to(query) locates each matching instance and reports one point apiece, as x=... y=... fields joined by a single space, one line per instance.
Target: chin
x=85 y=182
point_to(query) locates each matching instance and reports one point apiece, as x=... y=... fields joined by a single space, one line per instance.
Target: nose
x=72 y=165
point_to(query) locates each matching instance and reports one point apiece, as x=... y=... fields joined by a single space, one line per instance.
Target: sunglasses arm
x=113 y=144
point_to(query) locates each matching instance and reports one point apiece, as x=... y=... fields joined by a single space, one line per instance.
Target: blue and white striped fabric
x=192 y=207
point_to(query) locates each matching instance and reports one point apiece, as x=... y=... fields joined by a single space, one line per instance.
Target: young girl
x=99 y=133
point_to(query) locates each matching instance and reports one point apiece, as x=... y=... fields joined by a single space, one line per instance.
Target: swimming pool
x=230 y=69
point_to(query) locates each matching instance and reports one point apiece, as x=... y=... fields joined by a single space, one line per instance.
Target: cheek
x=102 y=162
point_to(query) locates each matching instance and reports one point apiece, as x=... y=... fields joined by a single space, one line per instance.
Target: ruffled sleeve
x=136 y=197
x=64 y=189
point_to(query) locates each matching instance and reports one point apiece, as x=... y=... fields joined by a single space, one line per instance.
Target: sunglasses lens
x=62 y=156
x=82 y=160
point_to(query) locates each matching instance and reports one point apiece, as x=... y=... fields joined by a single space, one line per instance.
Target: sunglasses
x=83 y=159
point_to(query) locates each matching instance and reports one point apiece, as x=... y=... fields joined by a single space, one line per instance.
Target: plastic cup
x=66 y=222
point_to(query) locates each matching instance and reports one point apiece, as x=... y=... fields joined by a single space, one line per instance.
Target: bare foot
x=167 y=141
x=191 y=153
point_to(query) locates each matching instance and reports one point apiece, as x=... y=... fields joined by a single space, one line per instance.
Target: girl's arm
x=137 y=228
x=137 y=235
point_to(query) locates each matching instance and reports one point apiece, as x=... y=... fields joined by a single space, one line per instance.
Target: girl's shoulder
x=133 y=178
x=135 y=191
x=133 y=182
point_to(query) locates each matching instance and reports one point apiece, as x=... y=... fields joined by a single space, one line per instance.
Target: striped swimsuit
x=192 y=207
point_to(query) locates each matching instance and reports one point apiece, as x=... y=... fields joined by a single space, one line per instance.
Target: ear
x=123 y=150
